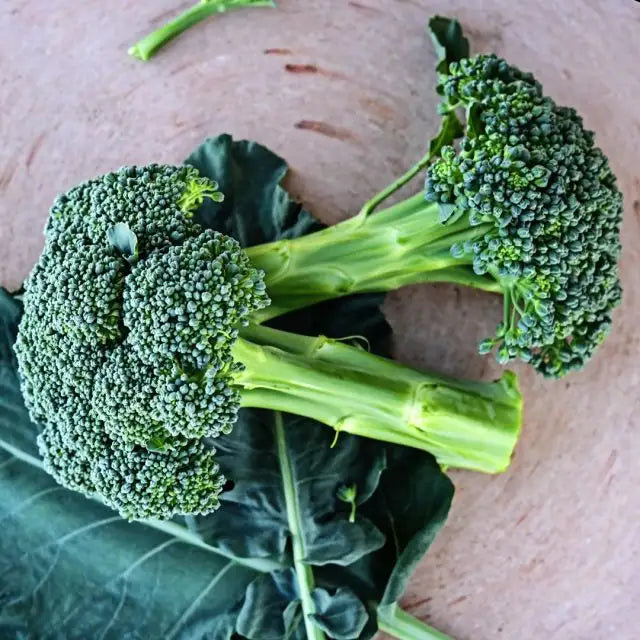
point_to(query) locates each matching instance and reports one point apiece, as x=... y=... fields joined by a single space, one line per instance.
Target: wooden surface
x=549 y=549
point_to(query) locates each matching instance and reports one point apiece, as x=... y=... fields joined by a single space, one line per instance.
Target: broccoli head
x=124 y=346
x=530 y=170
x=524 y=204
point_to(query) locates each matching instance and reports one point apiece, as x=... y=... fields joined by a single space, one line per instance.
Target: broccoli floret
x=525 y=205
x=123 y=399
x=149 y=484
x=135 y=351
x=110 y=426
x=531 y=170
x=181 y=308
x=181 y=301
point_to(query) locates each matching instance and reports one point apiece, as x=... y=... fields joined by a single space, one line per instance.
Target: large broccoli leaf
x=255 y=519
x=255 y=208
x=70 y=568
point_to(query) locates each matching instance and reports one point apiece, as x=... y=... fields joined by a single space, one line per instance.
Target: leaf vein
x=196 y=601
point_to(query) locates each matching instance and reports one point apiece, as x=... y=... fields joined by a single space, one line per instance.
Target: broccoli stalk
x=404 y=244
x=471 y=425
x=147 y=47
x=524 y=205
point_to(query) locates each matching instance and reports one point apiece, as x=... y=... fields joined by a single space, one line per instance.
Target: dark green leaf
x=341 y=615
x=415 y=511
x=450 y=129
x=292 y=620
x=410 y=506
x=256 y=208
x=448 y=41
x=17 y=433
x=262 y=616
x=372 y=480
x=10 y=314
x=253 y=518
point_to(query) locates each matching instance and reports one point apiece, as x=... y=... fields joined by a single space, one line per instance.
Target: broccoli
x=525 y=205
x=136 y=350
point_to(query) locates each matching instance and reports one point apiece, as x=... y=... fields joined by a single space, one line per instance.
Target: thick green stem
x=398 y=623
x=404 y=244
x=471 y=425
x=146 y=47
x=304 y=574
x=401 y=245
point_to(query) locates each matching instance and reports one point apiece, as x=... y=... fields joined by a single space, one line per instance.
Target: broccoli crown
x=529 y=168
x=136 y=482
x=124 y=349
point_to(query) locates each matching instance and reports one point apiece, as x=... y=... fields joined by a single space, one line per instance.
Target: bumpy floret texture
x=181 y=308
x=527 y=174
x=184 y=301
x=122 y=398
x=62 y=460
x=139 y=483
x=150 y=200
x=158 y=484
x=126 y=359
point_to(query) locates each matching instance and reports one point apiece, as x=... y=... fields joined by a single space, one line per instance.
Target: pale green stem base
x=470 y=425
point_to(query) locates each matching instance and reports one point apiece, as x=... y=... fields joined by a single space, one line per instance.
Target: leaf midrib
x=263 y=565
x=304 y=573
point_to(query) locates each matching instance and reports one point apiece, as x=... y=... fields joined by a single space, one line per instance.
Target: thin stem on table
x=145 y=48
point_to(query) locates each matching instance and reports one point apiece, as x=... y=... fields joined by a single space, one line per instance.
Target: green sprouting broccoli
x=136 y=349
x=524 y=205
